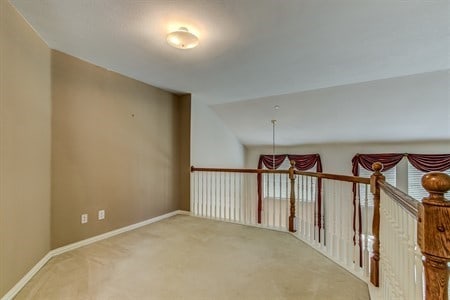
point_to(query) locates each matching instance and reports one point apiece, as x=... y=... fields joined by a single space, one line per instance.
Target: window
x=277 y=185
x=390 y=177
x=415 y=188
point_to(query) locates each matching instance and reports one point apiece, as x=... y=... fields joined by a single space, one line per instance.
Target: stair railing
x=398 y=244
x=411 y=248
x=335 y=225
x=316 y=207
x=232 y=195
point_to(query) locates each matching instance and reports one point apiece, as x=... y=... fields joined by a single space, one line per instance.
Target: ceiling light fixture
x=182 y=39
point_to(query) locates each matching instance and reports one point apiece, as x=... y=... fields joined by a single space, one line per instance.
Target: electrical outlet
x=84 y=218
x=101 y=214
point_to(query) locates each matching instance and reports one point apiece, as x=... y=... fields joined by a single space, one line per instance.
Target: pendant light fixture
x=182 y=39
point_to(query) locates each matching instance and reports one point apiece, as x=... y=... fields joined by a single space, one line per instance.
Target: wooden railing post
x=433 y=231
x=292 y=221
x=375 y=190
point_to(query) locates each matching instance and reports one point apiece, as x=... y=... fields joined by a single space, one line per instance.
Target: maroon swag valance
x=302 y=163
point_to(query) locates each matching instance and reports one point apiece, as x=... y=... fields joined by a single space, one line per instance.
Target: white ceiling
x=409 y=108
x=251 y=49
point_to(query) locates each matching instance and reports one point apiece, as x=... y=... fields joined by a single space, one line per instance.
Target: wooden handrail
x=335 y=177
x=255 y=171
x=311 y=174
x=410 y=204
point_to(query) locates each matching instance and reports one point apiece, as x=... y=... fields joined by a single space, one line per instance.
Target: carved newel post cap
x=292 y=170
x=436 y=182
x=377 y=166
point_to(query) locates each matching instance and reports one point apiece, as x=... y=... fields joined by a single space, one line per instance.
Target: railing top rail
x=410 y=204
x=335 y=177
x=312 y=174
x=255 y=171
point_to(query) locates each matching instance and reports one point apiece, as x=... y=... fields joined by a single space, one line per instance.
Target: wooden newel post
x=433 y=231
x=375 y=190
x=292 y=221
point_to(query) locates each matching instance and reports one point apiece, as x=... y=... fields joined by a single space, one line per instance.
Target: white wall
x=336 y=158
x=212 y=143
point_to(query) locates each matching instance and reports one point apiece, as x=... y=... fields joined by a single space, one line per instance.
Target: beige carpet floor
x=191 y=258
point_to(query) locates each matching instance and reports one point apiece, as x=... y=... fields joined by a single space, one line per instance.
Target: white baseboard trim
x=109 y=234
x=22 y=282
x=19 y=285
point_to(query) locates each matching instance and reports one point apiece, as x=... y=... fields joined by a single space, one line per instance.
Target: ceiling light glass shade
x=182 y=39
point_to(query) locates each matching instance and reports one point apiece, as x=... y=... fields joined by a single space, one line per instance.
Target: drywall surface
x=25 y=133
x=115 y=147
x=212 y=143
x=184 y=152
x=408 y=108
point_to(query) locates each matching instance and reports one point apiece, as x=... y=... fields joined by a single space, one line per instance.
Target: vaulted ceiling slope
x=249 y=48
x=341 y=70
x=407 y=108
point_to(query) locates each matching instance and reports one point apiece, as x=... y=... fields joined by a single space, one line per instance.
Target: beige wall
x=116 y=146
x=25 y=132
x=184 y=150
x=75 y=138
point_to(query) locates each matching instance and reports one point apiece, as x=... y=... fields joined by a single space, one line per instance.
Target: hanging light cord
x=273 y=143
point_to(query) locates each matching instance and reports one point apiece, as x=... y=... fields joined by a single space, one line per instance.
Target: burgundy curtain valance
x=269 y=161
x=389 y=160
x=306 y=162
x=422 y=162
x=430 y=162
x=302 y=162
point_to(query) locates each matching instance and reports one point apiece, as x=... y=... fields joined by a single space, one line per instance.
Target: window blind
x=278 y=185
x=415 y=188
x=390 y=177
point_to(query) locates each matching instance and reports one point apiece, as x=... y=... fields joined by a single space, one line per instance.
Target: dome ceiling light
x=182 y=39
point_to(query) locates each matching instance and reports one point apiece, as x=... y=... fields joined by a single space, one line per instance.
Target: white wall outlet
x=84 y=218
x=101 y=214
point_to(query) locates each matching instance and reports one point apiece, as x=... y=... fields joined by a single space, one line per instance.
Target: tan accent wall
x=25 y=132
x=184 y=156
x=111 y=143
x=117 y=145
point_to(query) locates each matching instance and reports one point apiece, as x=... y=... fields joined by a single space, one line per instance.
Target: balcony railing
x=367 y=226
